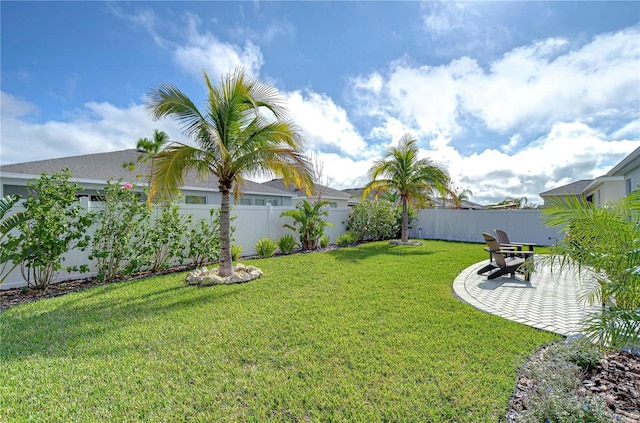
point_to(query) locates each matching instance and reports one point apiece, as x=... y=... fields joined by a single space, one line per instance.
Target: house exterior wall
x=607 y=191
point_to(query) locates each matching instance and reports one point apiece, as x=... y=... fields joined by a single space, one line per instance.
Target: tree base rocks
x=205 y=277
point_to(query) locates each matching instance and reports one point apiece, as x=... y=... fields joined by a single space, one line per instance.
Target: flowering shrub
x=374 y=220
x=122 y=219
x=56 y=223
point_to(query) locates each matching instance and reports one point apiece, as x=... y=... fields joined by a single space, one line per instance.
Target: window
x=245 y=201
x=333 y=204
x=628 y=186
x=273 y=202
x=195 y=199
x=259 y=202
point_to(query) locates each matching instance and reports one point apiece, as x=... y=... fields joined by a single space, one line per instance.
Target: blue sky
x=513 y=98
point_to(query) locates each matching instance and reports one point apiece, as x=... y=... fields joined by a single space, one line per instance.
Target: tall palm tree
x=244 y=130
x=401 y=171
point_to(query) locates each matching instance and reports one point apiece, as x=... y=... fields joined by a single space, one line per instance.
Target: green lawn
x=371 y=333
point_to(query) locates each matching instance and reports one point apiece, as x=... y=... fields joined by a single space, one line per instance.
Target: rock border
x=206 y=277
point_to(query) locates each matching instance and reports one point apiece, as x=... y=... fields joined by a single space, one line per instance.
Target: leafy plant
x=604 y=242
x=324 y=241
x=347 y=238
x=287 y=243
x=265 y=247
x=236 y=251
x=308 y=222
x=9 y=243
x=122 y=219
x=56 y=224
x=374 y=220
x=162 y=241
x=203 y=240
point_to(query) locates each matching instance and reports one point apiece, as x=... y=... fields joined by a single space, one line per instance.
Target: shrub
x=122 y=219
x=265 y=247
x=287 y=243
x=324 y=241
x=556 y=397
x=203 y=240
x=347 y=238
x=236 y=251
x=56 y=224
x=163 y=242
x=374 y=220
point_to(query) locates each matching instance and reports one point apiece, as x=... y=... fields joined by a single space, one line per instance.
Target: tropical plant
x=203 y=240
x=236 y=251
x=243 y=131
x=149 y=149
x=604 y=243
x=324 y=241
x=121 y=220
x=287 y=243
x=401 y=171
x=265 y=247
x=309 y=222
x=56 y=224
x=9 y=242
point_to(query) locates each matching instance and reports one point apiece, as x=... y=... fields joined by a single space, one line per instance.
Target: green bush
x=374 y=220
x=347 y=238
x=236 y=251
x=266 y=247
x=122 y=219
x=309 y=222
x=56 y=224
x=203 y=240
x=287 y=243
x=324 y=241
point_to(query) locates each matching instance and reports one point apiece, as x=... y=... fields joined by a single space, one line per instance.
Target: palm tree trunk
x=226 y=265
x=405 y=221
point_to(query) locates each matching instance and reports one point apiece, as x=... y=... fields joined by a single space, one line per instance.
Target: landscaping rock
x=205 y=277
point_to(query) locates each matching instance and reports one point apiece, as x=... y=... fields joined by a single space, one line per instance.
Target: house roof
x=630 y=162
x=105 y=166
x=574 y=188
x=327 y=192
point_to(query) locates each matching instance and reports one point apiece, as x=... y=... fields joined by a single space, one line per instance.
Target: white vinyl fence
x=255 y=222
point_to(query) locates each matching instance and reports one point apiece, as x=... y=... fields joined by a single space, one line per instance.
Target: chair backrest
x=501 y=236
x=494 y=246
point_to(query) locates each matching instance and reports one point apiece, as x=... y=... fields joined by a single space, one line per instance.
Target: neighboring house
x=92 y=171
x=335 y=197
x=617 y=183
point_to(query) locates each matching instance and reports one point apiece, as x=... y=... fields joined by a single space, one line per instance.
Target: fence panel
x=255 y=222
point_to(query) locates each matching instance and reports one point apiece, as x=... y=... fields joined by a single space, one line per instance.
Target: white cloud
x=97 y=127
x=325 y=126
x=205 y=52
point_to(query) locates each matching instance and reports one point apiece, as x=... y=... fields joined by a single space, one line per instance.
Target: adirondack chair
x=516 y=247
x=503 y=261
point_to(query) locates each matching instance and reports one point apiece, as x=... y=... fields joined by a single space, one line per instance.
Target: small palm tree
x=412 y=178
x=310 y=219
x=604 y=242
x=243 y=131
x=150 y=148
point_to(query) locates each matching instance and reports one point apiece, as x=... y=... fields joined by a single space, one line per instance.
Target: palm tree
x=605 y=244
x=150 y=148
x=243 y=131
x=412 y=178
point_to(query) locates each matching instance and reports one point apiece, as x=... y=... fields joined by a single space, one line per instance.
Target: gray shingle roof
x=326 y=191
x=574 y=188
x=105 y=166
